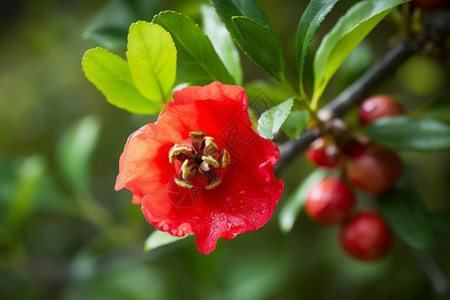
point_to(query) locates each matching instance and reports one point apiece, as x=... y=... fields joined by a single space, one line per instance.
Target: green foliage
x=261 y=45
x=308 y=25
x=296 y=123
x=29 y=177
x=198 y=63
x=251 y=30
x=144 y=83
x=294 y=204
x=227 y=9
x=409 y=133
x=152 y=59
x=159 y=238
x=407 y=217
x=348 y=32
x=74 y=152
x=271 y=120
x=222 y=43
x=111 y=75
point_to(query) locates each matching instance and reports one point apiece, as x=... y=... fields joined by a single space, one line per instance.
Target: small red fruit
x=322 y=153
x=329 y=201
x=366 y=237
x=373 y=168
x=378 y=107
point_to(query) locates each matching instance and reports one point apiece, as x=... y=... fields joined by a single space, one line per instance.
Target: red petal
x=144 y=162
x=211 y=116
x=239 y=205
x=213 y=91
x=161 y=213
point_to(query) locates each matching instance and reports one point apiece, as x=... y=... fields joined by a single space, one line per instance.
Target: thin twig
x=379 y=73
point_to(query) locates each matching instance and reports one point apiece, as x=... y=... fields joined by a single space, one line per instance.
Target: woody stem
x=383 y=70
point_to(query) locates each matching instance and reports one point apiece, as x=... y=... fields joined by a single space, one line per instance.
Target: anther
x=210 y=161
x=210 y=146
x=187 y=169
x=225 y=158
x=215 y=183
x=177 y=152
x=197 y=139
x=183 y=184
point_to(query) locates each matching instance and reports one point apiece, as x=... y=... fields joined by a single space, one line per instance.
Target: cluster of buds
x=364 y=165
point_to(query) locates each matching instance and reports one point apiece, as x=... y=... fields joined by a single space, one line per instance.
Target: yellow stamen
x=213 y=184
x=225 y=158
x=210 y=161
x=198 y=133
x=197 y=139
x=200 y=155
x=210 y=146
x=183 y=184
x=186 y=169
x=177 y=150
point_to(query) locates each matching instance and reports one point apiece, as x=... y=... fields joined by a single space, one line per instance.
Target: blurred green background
x=66 y=234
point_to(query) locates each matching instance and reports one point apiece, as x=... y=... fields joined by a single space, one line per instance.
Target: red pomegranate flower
x=201 y=169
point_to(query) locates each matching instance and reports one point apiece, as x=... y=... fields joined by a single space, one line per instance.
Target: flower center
x=198 y=161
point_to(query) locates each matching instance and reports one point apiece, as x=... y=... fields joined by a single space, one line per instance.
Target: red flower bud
x=329 y=201
x=366 y=237
x=378 y=107
x=373 y=168
x=322 y=153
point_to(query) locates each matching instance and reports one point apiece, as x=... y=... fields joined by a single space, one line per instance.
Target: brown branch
x=380 y=72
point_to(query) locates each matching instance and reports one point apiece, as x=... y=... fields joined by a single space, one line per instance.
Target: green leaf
x=222 y=42
x=439 y=108
x=110 y=74
x=271 y=120
x=296 y=123
x=251 y=30
x=407 y=217
x=294 y=204
x=75 y=150
x=310 y=21
x=152 y=59
x=227 y=9
x=159 y=238
x=348 y=32
x=262 y=46
x=198 y=63
x=408 y=133
x=29 y=178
